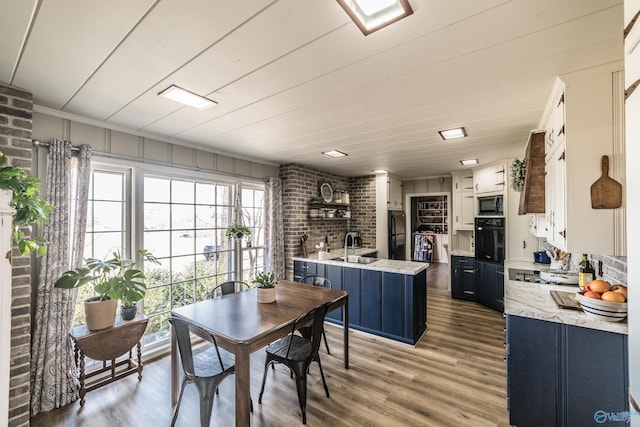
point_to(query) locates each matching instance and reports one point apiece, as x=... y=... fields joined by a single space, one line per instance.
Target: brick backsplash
x=299 y=185
x=16 y=111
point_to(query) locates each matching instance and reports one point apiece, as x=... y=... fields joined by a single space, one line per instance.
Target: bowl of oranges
x=603 y=301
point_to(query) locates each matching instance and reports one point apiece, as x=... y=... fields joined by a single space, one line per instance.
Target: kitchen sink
x=359 y=260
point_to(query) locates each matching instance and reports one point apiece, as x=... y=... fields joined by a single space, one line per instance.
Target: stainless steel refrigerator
x=397 y=234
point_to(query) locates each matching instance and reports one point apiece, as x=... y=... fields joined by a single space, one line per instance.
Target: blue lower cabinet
x=304 y=268
x=372 y=300
x=390 y=305
x=564 y=375
x=334 y=274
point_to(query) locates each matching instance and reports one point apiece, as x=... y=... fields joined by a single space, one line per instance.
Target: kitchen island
x=387 y=297
x=564 y=368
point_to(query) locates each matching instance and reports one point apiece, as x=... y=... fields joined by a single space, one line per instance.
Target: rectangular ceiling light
x=187 y=98
x=452 y=133
x=469 y=162
x=372 y=15
x=379 y=171
x=334 y=153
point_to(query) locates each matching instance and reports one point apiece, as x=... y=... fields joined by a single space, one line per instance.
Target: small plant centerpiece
x=31 y=209
x=238 y=231
x=266 y=285
x=113 y=279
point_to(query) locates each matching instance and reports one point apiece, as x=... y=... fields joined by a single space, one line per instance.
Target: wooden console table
x=107 y=345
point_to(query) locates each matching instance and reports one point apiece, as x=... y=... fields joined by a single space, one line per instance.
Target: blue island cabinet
x=564 y=375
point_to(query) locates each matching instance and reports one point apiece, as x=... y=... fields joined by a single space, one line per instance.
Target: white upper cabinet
x=463 y=200
x=490 y=179
x=394 y=193
x=579 y=131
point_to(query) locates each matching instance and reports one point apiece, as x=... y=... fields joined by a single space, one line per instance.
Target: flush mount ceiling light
x=334 y=153
x=452 y=133
x=380 y=171
x=469 y=162
x=185 y=97
x=372 y=15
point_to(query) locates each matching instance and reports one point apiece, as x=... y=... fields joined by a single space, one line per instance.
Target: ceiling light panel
x=185 y=97
x=334 y=153
x=372 y=15
x=380 y=171
x=453 y=133
x=469 y=162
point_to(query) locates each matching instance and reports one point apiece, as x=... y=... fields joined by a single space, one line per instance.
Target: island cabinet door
x=351 y=283
x=419 y=298
x=372 y=300
x=334 y=274
x=533 y=398
x=395 y=305
x=302 y=269
x=596 y=375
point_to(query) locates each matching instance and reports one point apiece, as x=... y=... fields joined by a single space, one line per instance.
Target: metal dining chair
x=206 y=369
x=226 y=288
x=321 y=281
x=297 y=353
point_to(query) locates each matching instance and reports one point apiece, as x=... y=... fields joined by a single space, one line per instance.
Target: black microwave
x=490 y=205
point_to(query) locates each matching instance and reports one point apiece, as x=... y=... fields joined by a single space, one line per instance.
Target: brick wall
x=299 y=185
x=16 y=108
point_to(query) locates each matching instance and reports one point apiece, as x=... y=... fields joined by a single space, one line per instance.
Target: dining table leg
x=243 y=391
x=345 y=326
x=174 y=368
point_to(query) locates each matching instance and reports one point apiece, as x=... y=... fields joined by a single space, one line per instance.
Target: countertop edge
x=410 y=268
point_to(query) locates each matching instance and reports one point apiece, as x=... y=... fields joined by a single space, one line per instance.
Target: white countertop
x=462 y=252
x=533 y=300
x=410 y=268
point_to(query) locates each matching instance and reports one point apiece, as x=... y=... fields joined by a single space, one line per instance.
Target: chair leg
x=264 y=379
x=301 y=386
x=326 y=389
x=325 y=340
x=206 y=407
x=175 y=411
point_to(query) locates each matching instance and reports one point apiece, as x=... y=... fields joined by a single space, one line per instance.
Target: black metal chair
x=226 y=288
x=297 y=353
x=206 y=369
x=321 y=281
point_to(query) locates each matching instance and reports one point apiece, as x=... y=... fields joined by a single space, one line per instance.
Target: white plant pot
x=266 y=295
x=99 y=314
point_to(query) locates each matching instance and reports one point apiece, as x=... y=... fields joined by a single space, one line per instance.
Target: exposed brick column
x=16 y=110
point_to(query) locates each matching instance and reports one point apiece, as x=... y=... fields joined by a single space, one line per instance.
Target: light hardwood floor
x=455 y=376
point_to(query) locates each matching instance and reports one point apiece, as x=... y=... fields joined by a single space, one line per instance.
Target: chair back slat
x=183 y=337
x=226 y=288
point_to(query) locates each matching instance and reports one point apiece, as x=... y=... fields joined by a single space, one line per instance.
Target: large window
x=182 y=221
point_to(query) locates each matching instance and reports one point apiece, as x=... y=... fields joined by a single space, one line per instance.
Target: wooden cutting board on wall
x=606 y=192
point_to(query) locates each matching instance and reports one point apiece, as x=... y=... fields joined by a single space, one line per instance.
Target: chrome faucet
x=346 y=244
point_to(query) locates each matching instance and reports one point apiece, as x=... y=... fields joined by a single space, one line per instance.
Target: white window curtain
x=274 y=228
x=53 y=370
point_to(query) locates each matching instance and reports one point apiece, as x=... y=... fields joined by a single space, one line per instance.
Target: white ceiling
x=294 y=78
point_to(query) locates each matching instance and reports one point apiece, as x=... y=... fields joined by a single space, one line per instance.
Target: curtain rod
x=39 y=143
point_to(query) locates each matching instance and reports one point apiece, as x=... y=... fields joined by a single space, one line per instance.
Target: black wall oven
x=489 y=239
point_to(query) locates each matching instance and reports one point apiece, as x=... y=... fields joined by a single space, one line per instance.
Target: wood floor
x=455 y=376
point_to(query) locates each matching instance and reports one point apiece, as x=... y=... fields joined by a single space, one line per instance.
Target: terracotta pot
x=99 y=314
x=266 y=295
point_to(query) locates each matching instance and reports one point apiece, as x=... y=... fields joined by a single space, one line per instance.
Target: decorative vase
x=266 y=295
x=128 y=313
x=99 y=314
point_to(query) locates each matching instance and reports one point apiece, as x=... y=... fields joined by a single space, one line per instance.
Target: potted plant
x=266 y=285
x=31 y=209
x=238 y=231
x=113 y=279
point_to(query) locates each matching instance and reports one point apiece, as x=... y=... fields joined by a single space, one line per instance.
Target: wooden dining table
x=241 y=326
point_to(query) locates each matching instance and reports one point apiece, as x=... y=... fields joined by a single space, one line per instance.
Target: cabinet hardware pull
x=469 y=292
x=561 y=131
x=563 y=233
x=468 y=271
x=561 y=100
x=500 y=273
x=561 y=156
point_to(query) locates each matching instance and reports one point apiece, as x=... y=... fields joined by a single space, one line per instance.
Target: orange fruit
x=599 y=286
x=592 y=294
x=612 y=296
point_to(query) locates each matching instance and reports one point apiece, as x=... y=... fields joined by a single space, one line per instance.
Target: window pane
x=182 y=242
x=157 y=216
x=182 y=216
x=105 y=243
x=182 y=191
x=108 y=186
x=157 y=190
x=158 y=243
x=205 y=194
x=157 y=300
x=205 y=216
x=107 y=216
x=223 y=195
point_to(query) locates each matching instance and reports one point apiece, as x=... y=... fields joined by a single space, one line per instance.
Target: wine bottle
x=587 y=272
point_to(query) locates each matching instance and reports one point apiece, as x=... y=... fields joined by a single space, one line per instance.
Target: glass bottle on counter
x=587 y=272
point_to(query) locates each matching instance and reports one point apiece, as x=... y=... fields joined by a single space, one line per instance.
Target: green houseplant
x=238 y=231
x=266 y=284
x=112 y=279
x=31 y=209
